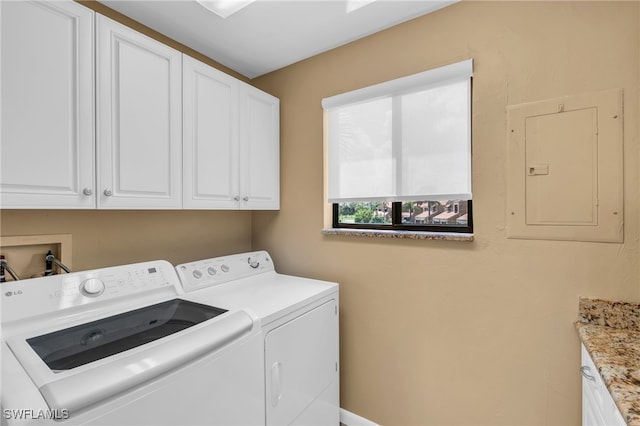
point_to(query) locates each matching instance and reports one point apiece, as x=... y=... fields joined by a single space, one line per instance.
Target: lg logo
x=13 y=293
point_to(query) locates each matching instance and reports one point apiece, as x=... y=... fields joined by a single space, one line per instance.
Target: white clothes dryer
x=298 y=318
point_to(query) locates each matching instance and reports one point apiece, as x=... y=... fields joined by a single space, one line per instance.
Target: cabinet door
x=598 y=407
x=210 y=137
x=47 y=135
x=139 y=120
x=259 y=149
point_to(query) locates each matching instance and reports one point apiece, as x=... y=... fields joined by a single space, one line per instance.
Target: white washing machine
x=123 y=346
x=299 y=323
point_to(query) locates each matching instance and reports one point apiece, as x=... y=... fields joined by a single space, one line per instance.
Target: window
x=399 y=153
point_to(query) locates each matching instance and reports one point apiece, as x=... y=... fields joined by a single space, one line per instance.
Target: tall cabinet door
x=47 y=118
x=139 y=120
x=259 y=149
x=210 y=137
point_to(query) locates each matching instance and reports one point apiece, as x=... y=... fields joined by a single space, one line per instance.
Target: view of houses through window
x=453 y=213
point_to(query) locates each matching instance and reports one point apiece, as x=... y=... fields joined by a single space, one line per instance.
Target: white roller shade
x=405 y=139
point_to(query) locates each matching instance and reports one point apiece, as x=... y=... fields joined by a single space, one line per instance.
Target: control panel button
x=211 y=270
x=92 y=287
x=197 y=274
x=225 y=268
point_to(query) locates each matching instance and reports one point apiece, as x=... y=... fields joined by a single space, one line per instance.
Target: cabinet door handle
x=87 y=191
x=245 y=198
x=108 y=193
x=236 y=198
x=587 y=376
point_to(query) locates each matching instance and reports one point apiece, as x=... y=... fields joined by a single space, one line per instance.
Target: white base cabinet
x=231 y=142
x=47 y=120
x=598 y=408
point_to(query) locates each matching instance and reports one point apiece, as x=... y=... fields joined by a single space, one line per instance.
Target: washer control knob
x=224 y=268
x=253 y=263
x=92 y=287
x=197 y=273
x=211 y=270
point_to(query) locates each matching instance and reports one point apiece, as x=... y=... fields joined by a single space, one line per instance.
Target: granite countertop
x=611 y=333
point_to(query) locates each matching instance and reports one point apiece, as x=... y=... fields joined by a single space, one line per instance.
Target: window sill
x=411 y=235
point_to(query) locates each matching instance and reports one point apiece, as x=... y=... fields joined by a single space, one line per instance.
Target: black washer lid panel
x=85 y=343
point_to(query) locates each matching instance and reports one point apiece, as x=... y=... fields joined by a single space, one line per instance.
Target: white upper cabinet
x=47 y=87
x=210 y=137
x=139 y=110
x=231 y=142
x=105 y=126
x=259 y=149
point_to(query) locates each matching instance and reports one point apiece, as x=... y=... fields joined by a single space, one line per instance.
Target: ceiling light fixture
x=353 y=5
x=225 y=8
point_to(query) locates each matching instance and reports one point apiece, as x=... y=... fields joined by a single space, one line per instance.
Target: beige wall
x=436 y=332
x=105 y=238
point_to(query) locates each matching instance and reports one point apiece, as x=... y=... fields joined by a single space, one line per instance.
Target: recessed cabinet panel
x=144 y=121
x=47 y=105
x=562 y=170
x=565 y=168
x=210 y=137
x=214 y=157
x=139 y=120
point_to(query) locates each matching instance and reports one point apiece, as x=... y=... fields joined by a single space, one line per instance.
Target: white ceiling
x=271 y=34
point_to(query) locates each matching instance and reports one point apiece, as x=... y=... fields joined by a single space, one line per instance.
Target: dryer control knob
x=197 y=273
x=92 y=287
x=224 y=268
x=211 y=270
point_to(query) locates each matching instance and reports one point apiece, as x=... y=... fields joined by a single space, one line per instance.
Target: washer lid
x=76 y=388
x=85 y=343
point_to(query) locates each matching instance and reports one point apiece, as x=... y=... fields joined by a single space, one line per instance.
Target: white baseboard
x=347 y=418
